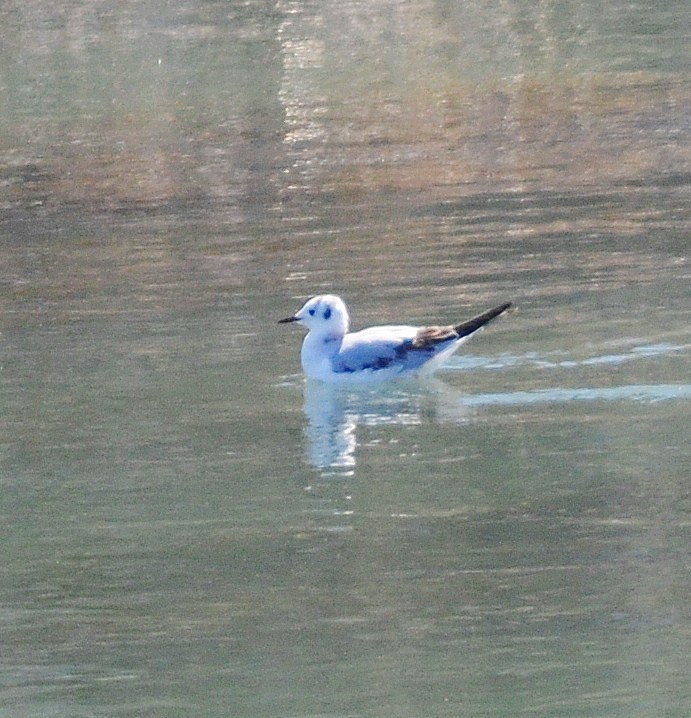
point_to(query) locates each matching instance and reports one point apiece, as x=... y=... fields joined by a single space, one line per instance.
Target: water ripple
x=505 y=361
x=636 y=392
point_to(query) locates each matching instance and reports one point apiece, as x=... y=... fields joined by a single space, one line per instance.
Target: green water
x=189 y=529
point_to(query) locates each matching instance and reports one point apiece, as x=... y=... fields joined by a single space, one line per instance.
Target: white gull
x=333 y=354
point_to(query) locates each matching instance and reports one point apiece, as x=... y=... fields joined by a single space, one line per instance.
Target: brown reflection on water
x=145 y=111
x=528 y=134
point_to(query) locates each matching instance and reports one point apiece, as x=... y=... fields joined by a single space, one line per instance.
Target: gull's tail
x=472 y=325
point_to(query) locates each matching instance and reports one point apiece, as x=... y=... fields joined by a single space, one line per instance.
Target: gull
x=333 y=354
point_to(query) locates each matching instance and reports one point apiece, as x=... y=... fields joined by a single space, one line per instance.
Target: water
x=188 y=528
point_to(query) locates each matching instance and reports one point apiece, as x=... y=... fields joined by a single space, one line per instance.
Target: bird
x=333 y=354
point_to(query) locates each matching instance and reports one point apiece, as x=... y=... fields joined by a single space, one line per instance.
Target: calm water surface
x=188 y=528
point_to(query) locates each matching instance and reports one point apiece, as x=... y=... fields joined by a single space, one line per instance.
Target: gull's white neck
x=318 y=349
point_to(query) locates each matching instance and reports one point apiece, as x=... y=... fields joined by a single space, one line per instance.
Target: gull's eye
x=310 y=312
x=327 y=313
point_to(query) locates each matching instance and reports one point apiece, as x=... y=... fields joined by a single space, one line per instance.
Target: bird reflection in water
x=334 y=413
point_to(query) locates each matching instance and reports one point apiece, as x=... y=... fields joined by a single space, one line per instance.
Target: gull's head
x=326 y=315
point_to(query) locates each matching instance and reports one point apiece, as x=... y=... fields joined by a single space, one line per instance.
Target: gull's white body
x=332 y=354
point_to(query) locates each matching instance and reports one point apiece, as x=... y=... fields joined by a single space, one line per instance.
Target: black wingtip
x=472 y=325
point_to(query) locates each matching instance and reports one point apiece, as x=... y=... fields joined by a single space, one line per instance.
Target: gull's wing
x=406 y=348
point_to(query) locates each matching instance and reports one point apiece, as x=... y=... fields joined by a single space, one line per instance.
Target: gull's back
x=389 y=347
